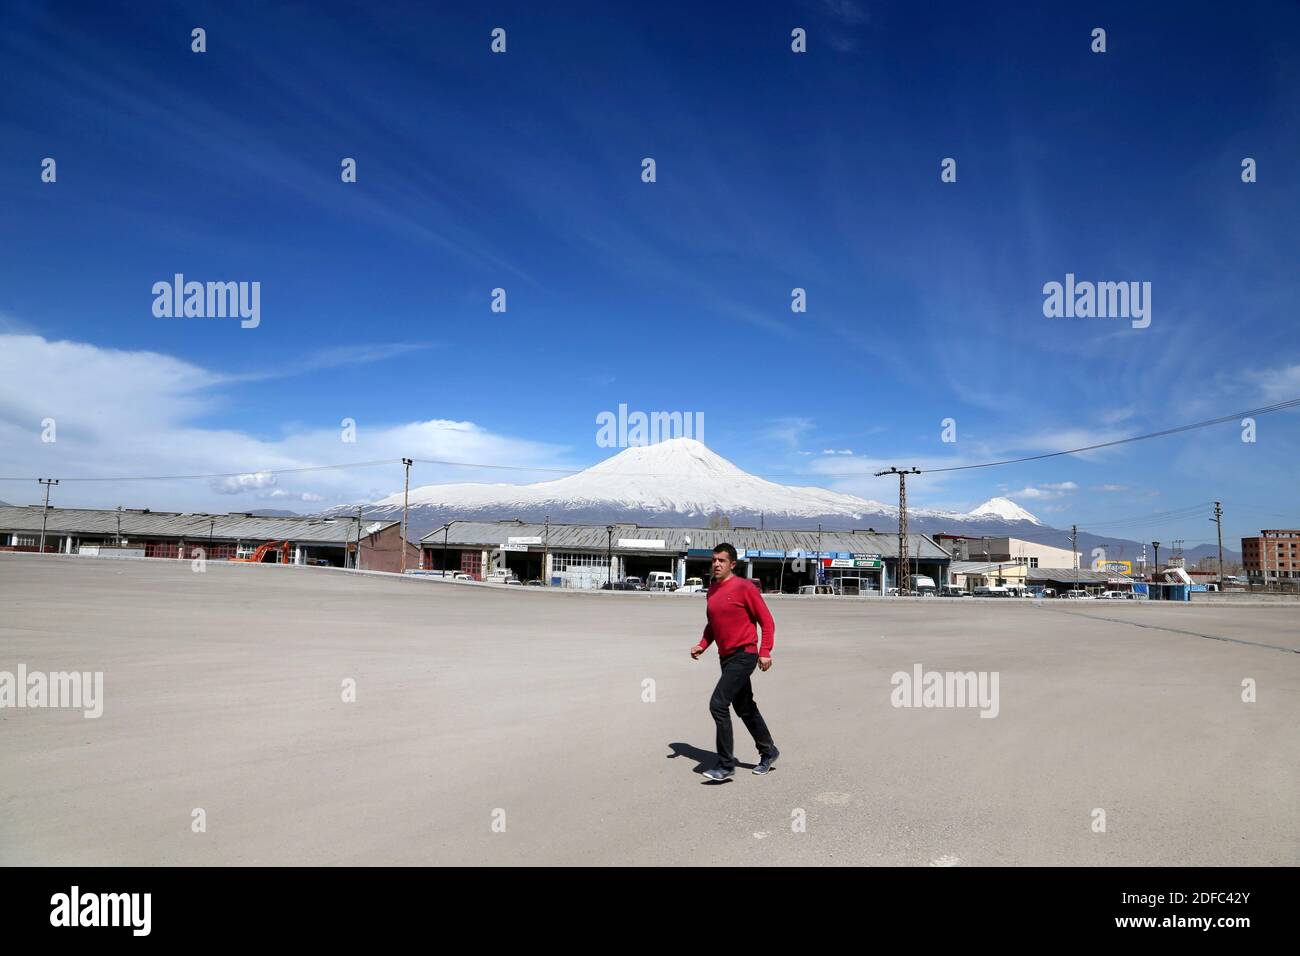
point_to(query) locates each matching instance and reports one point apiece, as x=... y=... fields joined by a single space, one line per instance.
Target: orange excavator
x=260 y=555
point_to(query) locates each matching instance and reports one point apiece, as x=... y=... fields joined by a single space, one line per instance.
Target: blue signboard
x=771 y=553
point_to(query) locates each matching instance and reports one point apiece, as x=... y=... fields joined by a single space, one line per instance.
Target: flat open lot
x=223 y=691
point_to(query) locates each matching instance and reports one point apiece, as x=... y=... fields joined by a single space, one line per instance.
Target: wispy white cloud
x=133 y=413
x=788 y=431
x=1045 y=491
x=846 y=11
x=329 y=358
x=1279 y=384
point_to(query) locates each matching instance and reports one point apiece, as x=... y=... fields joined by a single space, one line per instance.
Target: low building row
x=591 y=555
x=343 y=541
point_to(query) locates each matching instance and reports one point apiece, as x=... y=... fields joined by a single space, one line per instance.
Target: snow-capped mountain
x=1003 y=509
x=680 y=482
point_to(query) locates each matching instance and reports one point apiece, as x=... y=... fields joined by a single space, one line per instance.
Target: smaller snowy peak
x=1003 y=508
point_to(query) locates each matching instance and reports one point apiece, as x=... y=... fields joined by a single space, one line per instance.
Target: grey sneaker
x=765 y=764
x=717 y=774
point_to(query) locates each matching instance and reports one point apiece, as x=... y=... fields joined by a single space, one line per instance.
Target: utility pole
x=546 y=547
x=356 y=562
x=609 y=557
x=119 y=526
x=1074 y=546
x=818 y=577
x=446 y=530
x=406 y=494
x=1263 y=555
x=44 y=514
x=1218 y=520
x=904 y=559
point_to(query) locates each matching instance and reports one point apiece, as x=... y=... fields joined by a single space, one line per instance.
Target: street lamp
x=1155 y=567
x=609 y=555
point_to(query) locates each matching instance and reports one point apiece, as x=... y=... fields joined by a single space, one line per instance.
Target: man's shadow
x=704 y=759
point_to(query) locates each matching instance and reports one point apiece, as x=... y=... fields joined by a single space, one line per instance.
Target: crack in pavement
x=1175 y=630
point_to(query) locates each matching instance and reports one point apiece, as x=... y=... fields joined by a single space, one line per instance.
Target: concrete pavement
x=495 y=726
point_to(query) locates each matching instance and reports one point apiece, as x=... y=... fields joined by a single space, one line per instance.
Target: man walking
x=735 y=605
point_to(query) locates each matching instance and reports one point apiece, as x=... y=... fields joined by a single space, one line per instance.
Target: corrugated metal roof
x=1085 y=576
x=489 y=534
x=189 y=525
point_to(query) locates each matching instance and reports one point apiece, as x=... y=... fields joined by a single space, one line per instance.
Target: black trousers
x=734 y=690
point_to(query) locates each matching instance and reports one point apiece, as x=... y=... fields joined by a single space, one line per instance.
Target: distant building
x=588 y=555
x=991 y=549
x=219 y=537
x=1271 y=556
x=969 y=575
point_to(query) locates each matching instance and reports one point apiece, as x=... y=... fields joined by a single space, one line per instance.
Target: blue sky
x=774 y=171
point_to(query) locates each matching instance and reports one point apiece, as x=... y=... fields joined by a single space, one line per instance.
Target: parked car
x=1078 y=595
x=816 y=589
x=692 y=586
x=952 y=590
x=1114 y=595
x=462 y=576
x=536 y=583
x=992 y=590
x=662 y=581
x=501 y=577
x=627 y=584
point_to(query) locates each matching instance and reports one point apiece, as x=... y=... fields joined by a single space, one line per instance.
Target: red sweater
x=734 y=606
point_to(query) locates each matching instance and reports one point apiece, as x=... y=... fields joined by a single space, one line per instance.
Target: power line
x=1264 y=410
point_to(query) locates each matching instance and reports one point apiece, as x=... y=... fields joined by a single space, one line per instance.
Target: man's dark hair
x=731 y=552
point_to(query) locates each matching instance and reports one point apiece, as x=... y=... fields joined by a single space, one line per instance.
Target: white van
x=661 y=581
x=923 y=585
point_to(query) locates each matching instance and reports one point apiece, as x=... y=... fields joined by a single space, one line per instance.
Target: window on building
x=568 y=561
